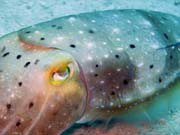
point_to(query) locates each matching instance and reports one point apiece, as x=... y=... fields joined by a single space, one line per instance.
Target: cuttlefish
x=86 y=67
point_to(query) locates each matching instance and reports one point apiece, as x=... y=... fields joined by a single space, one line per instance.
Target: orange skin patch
x=32 y=47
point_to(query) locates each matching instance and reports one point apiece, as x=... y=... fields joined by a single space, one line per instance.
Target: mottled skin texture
x=121 y=57
x=30 y=104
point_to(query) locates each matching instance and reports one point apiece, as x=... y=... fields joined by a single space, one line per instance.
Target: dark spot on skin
x=164 y=18
x=171 y=57
x=125 y=82
x=42 y=38
x=18 y=123
x=55 y=113
x=27 y=64
x=117 y=56
x=53 y=25
x=59 y=27
x=3 y=49
x=76 y=106
x=166 y=36
x=18 y=56
x=132 y=46
x=6 y=54
x=96 y=75
x=20 y=84
x=112 y=93
x=97 y=65
x=160 y=80
x=8 y=106
x=73 y=46
x=91 y=31
x=36 y=62
x=151 y=66
x=27 y=32
x=31 y=104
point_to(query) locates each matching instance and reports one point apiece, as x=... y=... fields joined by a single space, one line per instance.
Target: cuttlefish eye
x=49 y=95
x=57 y=77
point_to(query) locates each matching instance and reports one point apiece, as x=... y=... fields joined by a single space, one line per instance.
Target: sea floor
x=16 y=14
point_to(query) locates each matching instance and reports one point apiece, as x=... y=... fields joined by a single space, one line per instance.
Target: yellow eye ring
x=59 y=76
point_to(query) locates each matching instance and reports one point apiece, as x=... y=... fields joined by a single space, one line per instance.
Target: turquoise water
x=18 y=14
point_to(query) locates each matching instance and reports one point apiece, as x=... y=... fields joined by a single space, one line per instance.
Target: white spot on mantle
x=72 y=19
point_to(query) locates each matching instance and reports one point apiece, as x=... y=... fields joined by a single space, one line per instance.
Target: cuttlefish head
x=43 y=91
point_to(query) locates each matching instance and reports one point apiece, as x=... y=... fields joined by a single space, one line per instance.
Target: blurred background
x=16 y=14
